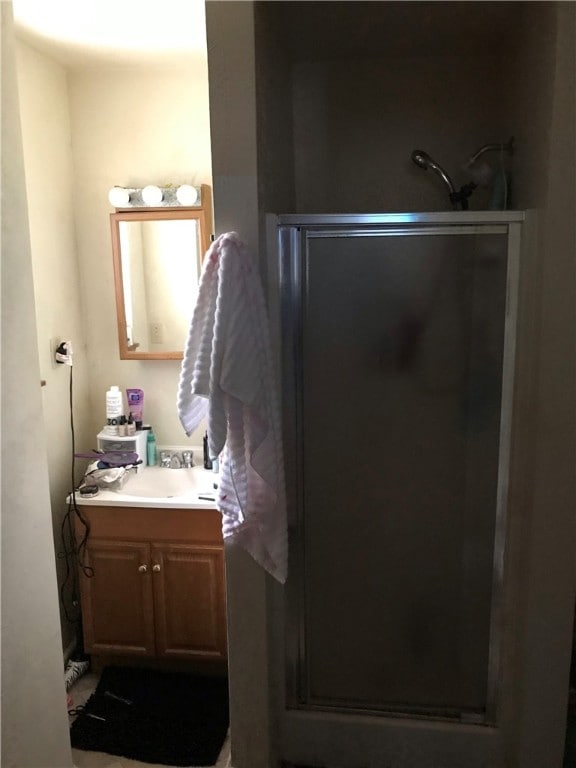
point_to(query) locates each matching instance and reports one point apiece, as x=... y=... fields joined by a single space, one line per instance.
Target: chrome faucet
x=175 y=461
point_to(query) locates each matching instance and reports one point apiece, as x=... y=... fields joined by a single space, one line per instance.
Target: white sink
x=159 y=482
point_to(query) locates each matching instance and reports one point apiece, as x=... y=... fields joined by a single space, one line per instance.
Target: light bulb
x=186 y=194
x=118 y=196
x=152 y=195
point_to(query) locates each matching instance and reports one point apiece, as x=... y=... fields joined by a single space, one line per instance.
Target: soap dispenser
x=151 y=449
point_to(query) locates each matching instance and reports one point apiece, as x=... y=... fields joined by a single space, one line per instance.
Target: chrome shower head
x=423 y=160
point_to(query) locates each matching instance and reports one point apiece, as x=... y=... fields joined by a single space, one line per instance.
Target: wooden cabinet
x=117 y=603
x=157 y=586
x=188 y=575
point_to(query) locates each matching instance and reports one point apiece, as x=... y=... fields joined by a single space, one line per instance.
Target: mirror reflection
x=157 y=262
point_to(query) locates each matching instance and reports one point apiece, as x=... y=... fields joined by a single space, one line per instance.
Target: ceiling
x=112 y=33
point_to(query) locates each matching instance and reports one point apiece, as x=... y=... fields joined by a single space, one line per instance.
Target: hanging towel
x=227 y=375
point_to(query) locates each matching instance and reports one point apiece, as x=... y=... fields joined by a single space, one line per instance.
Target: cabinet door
x=189 y=601
x=117 y=599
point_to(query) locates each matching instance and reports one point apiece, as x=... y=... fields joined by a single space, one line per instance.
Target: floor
x=80 y=693
x=86 y=685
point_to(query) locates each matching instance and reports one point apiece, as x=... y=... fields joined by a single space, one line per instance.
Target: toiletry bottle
x=130 y=426
x=113 y=409
x=151 y=449
x=135 y=398
x=113 y=403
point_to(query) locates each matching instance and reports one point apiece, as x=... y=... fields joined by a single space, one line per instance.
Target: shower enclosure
x=398 y=336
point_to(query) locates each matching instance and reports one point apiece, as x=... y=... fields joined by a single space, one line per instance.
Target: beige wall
x=34 y=720
x=131 y=128
x=230 y=28
x=275 y=135
x=550 y=565
x=529 y=73
x=357 y=119
x=43 y=88
x=83 y=132
x=357 y=122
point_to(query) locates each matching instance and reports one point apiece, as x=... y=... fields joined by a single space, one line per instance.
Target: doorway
x=96 y=115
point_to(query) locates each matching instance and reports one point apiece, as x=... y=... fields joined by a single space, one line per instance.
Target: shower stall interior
x=398 y=336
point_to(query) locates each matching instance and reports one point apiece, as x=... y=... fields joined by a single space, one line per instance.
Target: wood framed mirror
x=158 y=255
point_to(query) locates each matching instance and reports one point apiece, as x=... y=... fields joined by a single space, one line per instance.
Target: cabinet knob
x=142 y=568
x=156 y=567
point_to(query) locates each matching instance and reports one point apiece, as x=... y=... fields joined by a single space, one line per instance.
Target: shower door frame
x=292 y=232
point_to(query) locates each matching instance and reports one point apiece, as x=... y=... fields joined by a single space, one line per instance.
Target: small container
x=88 y=491
x=137 y=443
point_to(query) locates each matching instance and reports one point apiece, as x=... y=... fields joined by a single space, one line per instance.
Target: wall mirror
x=158 y=255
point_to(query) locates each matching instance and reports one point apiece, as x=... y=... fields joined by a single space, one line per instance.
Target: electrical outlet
x=54 y=344
x=156 y=333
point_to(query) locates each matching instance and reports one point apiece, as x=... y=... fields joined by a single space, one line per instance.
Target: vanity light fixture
x=153 y=196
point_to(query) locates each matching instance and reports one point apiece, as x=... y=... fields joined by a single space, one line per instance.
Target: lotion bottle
x=113 y=409
x=114 y=403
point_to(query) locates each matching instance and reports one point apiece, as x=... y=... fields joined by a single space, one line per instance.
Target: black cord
x=72 y=553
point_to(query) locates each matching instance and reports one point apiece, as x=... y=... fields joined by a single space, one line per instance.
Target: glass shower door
x=399 y=340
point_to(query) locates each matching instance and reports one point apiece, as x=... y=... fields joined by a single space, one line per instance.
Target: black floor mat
x=155 y=717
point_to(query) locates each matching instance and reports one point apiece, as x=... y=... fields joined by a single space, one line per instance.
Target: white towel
x=227 y=374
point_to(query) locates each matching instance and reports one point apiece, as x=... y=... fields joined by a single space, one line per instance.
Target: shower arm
x=507 y=147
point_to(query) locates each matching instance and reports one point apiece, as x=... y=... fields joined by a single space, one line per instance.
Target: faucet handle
x=165 y=458
x=187 y=459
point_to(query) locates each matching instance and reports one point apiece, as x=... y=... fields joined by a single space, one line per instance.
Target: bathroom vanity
x=157 y=587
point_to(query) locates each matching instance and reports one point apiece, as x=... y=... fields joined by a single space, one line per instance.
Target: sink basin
x=157 y=482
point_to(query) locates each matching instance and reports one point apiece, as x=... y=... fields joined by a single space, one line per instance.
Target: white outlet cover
x=156 y=333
